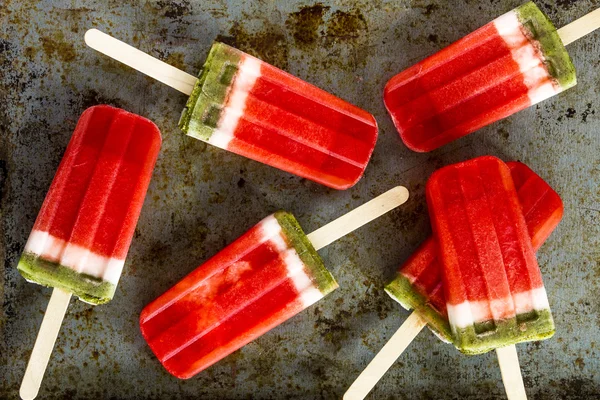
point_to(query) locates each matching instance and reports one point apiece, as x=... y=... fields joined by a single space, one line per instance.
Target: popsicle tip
x=89 y=36
x=349 y=395
x=28 y=392
x=401 y=192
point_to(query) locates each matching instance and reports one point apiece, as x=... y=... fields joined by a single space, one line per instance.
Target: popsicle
x=242 y=104
x=418 y=285
x=494 y=292
x=513 y=62
x=86 y=223
x=83 y=231
x=269 y=274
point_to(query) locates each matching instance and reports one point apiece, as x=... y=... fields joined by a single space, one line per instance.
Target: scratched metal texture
x=201 y=198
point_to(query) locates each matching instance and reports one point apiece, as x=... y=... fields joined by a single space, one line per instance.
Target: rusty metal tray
x=201 y=197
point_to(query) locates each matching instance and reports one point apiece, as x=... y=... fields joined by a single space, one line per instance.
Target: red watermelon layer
x=99 y=188
x=482 y=235
x=465 y=86
x=294 y=126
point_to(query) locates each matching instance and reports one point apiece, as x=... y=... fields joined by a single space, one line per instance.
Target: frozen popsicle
x=83 y=231
x=418 y=285
x=269 y=274
x=513 y=62
x=242 y=104
x=494 y=292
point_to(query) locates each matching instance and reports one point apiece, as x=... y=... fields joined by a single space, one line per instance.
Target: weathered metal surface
x=201 y=197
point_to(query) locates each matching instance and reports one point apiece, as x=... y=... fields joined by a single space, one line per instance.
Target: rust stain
x=174 y=9
x=587 y=112
x=411 y=213
x=433 y=38
x=333 y=330
x=3 y=173
x=207 y=174
x=268 y=44
x=567 y=4
x=305 y=23
x=56 y=46
x=346 y=25
x=429 y=9
x=503 y=133
x=176 y=59
x=30 y=52
x=87 y=314
x=93 y=97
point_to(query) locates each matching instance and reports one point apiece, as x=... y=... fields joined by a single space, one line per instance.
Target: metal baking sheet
x=201 y=197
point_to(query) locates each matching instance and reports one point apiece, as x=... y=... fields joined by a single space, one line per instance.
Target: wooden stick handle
x=358 y=217
x=579 y=28
x=385 y=358
x=59 y=301
x=511 y=373
x=140 y=61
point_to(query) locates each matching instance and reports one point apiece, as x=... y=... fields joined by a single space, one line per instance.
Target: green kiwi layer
x=483 y=337
x=539 y=28
x=47 y=273
x=299 y=241
x=401 y=290
x=203 y=109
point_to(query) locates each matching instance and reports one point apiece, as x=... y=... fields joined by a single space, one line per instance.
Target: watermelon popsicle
x=418 y=285
x=266 y=276
x=269 y=274
x=83 y=231
x=494 y=292
x=511 y=63
x=242 y=104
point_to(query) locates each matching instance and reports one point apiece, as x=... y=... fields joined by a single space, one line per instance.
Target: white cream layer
x=527 y=57
x=308 y=293
x=469 y=313
x=243 y=82
x=75 y=257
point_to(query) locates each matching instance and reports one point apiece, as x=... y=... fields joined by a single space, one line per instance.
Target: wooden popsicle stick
x=580 y=27
x=358 y=217
x=511 y=372
x=140 y=61
x=385 y=358
x=44 y=343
